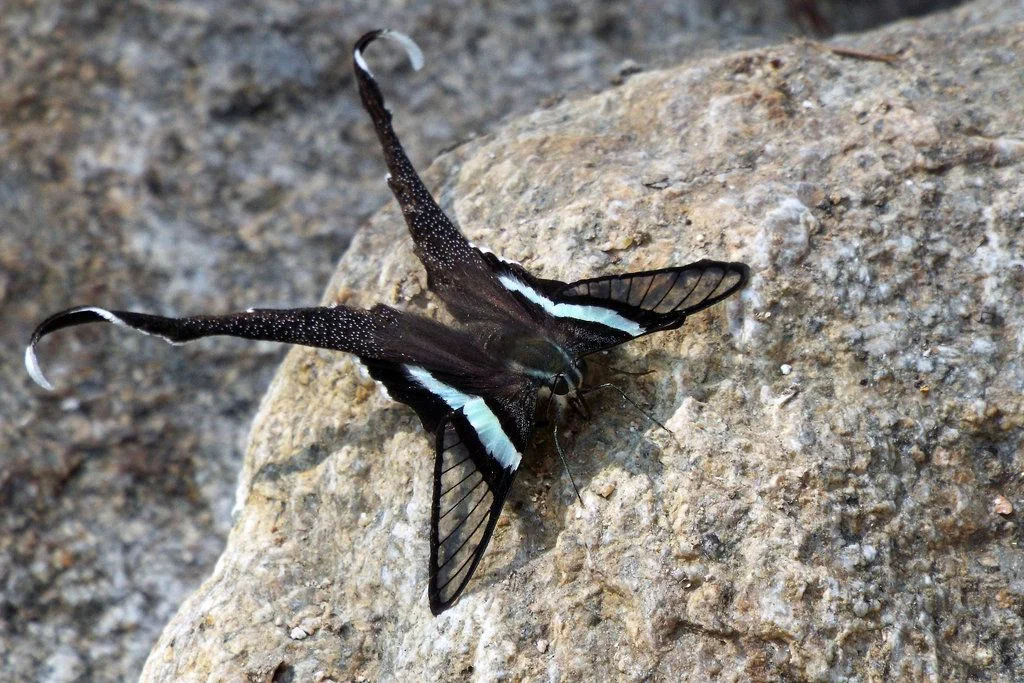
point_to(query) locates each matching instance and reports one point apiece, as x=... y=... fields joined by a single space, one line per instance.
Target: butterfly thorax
x=537 y=357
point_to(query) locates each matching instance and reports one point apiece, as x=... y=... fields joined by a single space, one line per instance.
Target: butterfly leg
x=565 y=464
x=609 y=385
x=630 y=373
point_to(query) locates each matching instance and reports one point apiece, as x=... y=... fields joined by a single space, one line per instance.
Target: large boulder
x=208 y=156
x=839 y=498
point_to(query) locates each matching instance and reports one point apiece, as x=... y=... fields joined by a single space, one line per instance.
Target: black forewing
x=600 y=312
x=470 y=483
x=457 y=358
x=470 y=281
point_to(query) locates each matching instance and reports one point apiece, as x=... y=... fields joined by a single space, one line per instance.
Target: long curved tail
x=340 y=328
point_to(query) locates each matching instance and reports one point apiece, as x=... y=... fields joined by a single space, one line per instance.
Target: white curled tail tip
x=59 y=321
x=32 y=365
x=411 y=48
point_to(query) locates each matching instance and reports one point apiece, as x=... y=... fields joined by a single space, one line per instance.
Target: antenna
x=609 y=385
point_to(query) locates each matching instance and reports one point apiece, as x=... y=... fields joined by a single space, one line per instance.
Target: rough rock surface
x=841 y=499
x=210 y=155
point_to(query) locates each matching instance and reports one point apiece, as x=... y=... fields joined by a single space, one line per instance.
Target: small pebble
x=989 y=561
x=298 y=633
x=786 y=368
x=1002 y=506
x=542 y=646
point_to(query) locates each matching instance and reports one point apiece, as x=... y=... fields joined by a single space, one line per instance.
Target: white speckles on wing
x=478 y=414
x=338 y=327
x=594 y=314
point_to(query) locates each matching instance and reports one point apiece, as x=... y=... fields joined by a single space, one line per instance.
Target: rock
x=1002 y=506
x=212 y=156
x=844 y=532
x=206 y=157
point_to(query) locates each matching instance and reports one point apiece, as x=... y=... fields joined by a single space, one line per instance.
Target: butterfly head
x=565 y=386
x=558 y=374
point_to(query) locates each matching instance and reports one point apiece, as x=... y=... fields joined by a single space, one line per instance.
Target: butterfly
x=476 y=387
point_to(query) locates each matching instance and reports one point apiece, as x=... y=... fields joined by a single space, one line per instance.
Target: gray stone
x=209 y=156
x=834 y=523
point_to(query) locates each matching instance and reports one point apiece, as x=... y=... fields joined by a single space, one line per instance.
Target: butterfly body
x=476 y=386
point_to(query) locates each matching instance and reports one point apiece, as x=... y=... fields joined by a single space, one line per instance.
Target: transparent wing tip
x=79 y=315
x=408 y=44
x=411 y=48
x=32 y=365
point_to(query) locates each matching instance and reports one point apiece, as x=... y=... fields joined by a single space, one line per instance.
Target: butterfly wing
x=586 y=316
x=469 y=491
x=358 y=331
x=456 y=270
x=479 y=441
x=481 y=415
x=650 y=301
x=659 y=299
x=434 y=368
x=597 y=313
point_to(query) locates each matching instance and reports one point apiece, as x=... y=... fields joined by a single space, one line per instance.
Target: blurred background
x=188 y=157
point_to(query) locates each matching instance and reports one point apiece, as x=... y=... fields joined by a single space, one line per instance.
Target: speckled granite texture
x=840 y=500
x=843 y=519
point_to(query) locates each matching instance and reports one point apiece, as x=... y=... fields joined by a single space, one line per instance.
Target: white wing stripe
x=477 y=412
x=593 y=314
